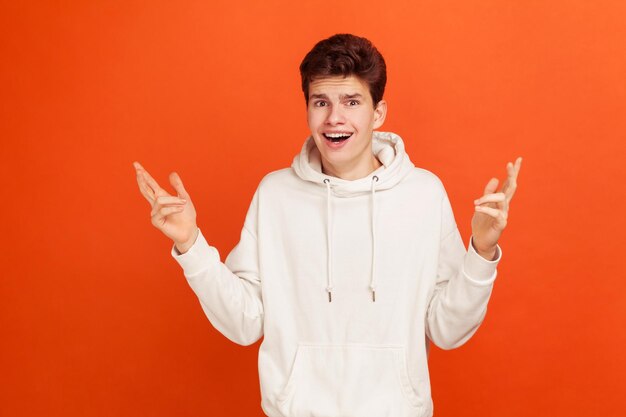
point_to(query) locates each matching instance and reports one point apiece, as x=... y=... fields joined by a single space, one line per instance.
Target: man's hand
x=492 y=212
x=175 y=216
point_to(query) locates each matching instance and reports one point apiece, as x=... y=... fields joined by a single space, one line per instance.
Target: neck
x=354 y=172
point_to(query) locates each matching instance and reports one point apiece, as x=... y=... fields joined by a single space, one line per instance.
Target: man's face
x=342 y=117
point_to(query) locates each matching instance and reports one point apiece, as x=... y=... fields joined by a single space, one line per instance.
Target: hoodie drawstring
x=329 y=286
x=373 y=281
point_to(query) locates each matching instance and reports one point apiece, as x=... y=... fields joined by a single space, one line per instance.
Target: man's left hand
x=492 y=211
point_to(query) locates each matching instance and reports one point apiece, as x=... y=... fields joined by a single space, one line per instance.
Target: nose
x=335 y=115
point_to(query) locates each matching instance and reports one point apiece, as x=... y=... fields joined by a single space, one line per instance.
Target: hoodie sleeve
x=465 y=279
x=229 y=292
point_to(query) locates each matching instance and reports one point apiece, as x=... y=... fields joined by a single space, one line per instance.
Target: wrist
x=183 y=247
x=489 y=253
x=490 y=256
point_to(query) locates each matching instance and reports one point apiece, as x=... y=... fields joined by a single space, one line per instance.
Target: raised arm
x=230 y=292
x=465 y=277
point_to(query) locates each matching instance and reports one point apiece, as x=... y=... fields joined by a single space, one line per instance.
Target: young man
x=350 y=262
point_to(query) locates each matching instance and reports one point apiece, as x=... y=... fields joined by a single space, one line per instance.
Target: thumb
x=491 y=187
x=177 y=183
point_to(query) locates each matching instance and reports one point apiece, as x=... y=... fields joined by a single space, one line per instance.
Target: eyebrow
x=341 y=97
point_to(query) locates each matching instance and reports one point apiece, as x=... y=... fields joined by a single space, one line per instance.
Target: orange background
x=97 y=318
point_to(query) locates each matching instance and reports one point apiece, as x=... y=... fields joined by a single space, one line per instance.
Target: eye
x=353 y=103
x=320 y=103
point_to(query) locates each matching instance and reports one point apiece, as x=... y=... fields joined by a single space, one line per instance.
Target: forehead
x=338 y=85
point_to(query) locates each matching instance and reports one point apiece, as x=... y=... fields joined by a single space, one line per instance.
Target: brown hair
x=345 y=55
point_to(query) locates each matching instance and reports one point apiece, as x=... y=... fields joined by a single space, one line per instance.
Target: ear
x=380 y=112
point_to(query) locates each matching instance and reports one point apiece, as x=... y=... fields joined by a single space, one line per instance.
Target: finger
x=510 y=185
x=159 y=215
x=510 y=169
x=514 y=168
x=491 y=186
x=169 y=200
x=518 y=165
x=491 y=198
x=177 y=183
x=145 y=190
x=150 y=182
x=497 y=214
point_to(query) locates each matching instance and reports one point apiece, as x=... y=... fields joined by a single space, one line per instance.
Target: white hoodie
x=347 y=281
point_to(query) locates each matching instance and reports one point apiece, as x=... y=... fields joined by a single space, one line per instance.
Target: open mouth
x=337 y=137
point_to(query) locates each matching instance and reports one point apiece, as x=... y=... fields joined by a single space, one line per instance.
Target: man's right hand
x=175 y=216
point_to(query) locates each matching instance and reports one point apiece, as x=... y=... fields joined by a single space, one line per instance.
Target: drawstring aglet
x=374 y=295
x=330 y=297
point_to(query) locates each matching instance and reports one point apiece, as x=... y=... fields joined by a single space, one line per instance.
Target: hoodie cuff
x=479 y=270
x=199 y=257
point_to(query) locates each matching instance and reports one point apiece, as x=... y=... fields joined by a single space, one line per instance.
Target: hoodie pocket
x=349 y=380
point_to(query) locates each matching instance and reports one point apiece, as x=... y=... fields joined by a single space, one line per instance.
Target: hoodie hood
x=388 y=148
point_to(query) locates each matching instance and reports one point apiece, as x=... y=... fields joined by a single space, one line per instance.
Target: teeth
x=337 y=135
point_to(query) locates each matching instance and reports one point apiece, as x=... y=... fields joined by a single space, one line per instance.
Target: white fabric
x=303 y=277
